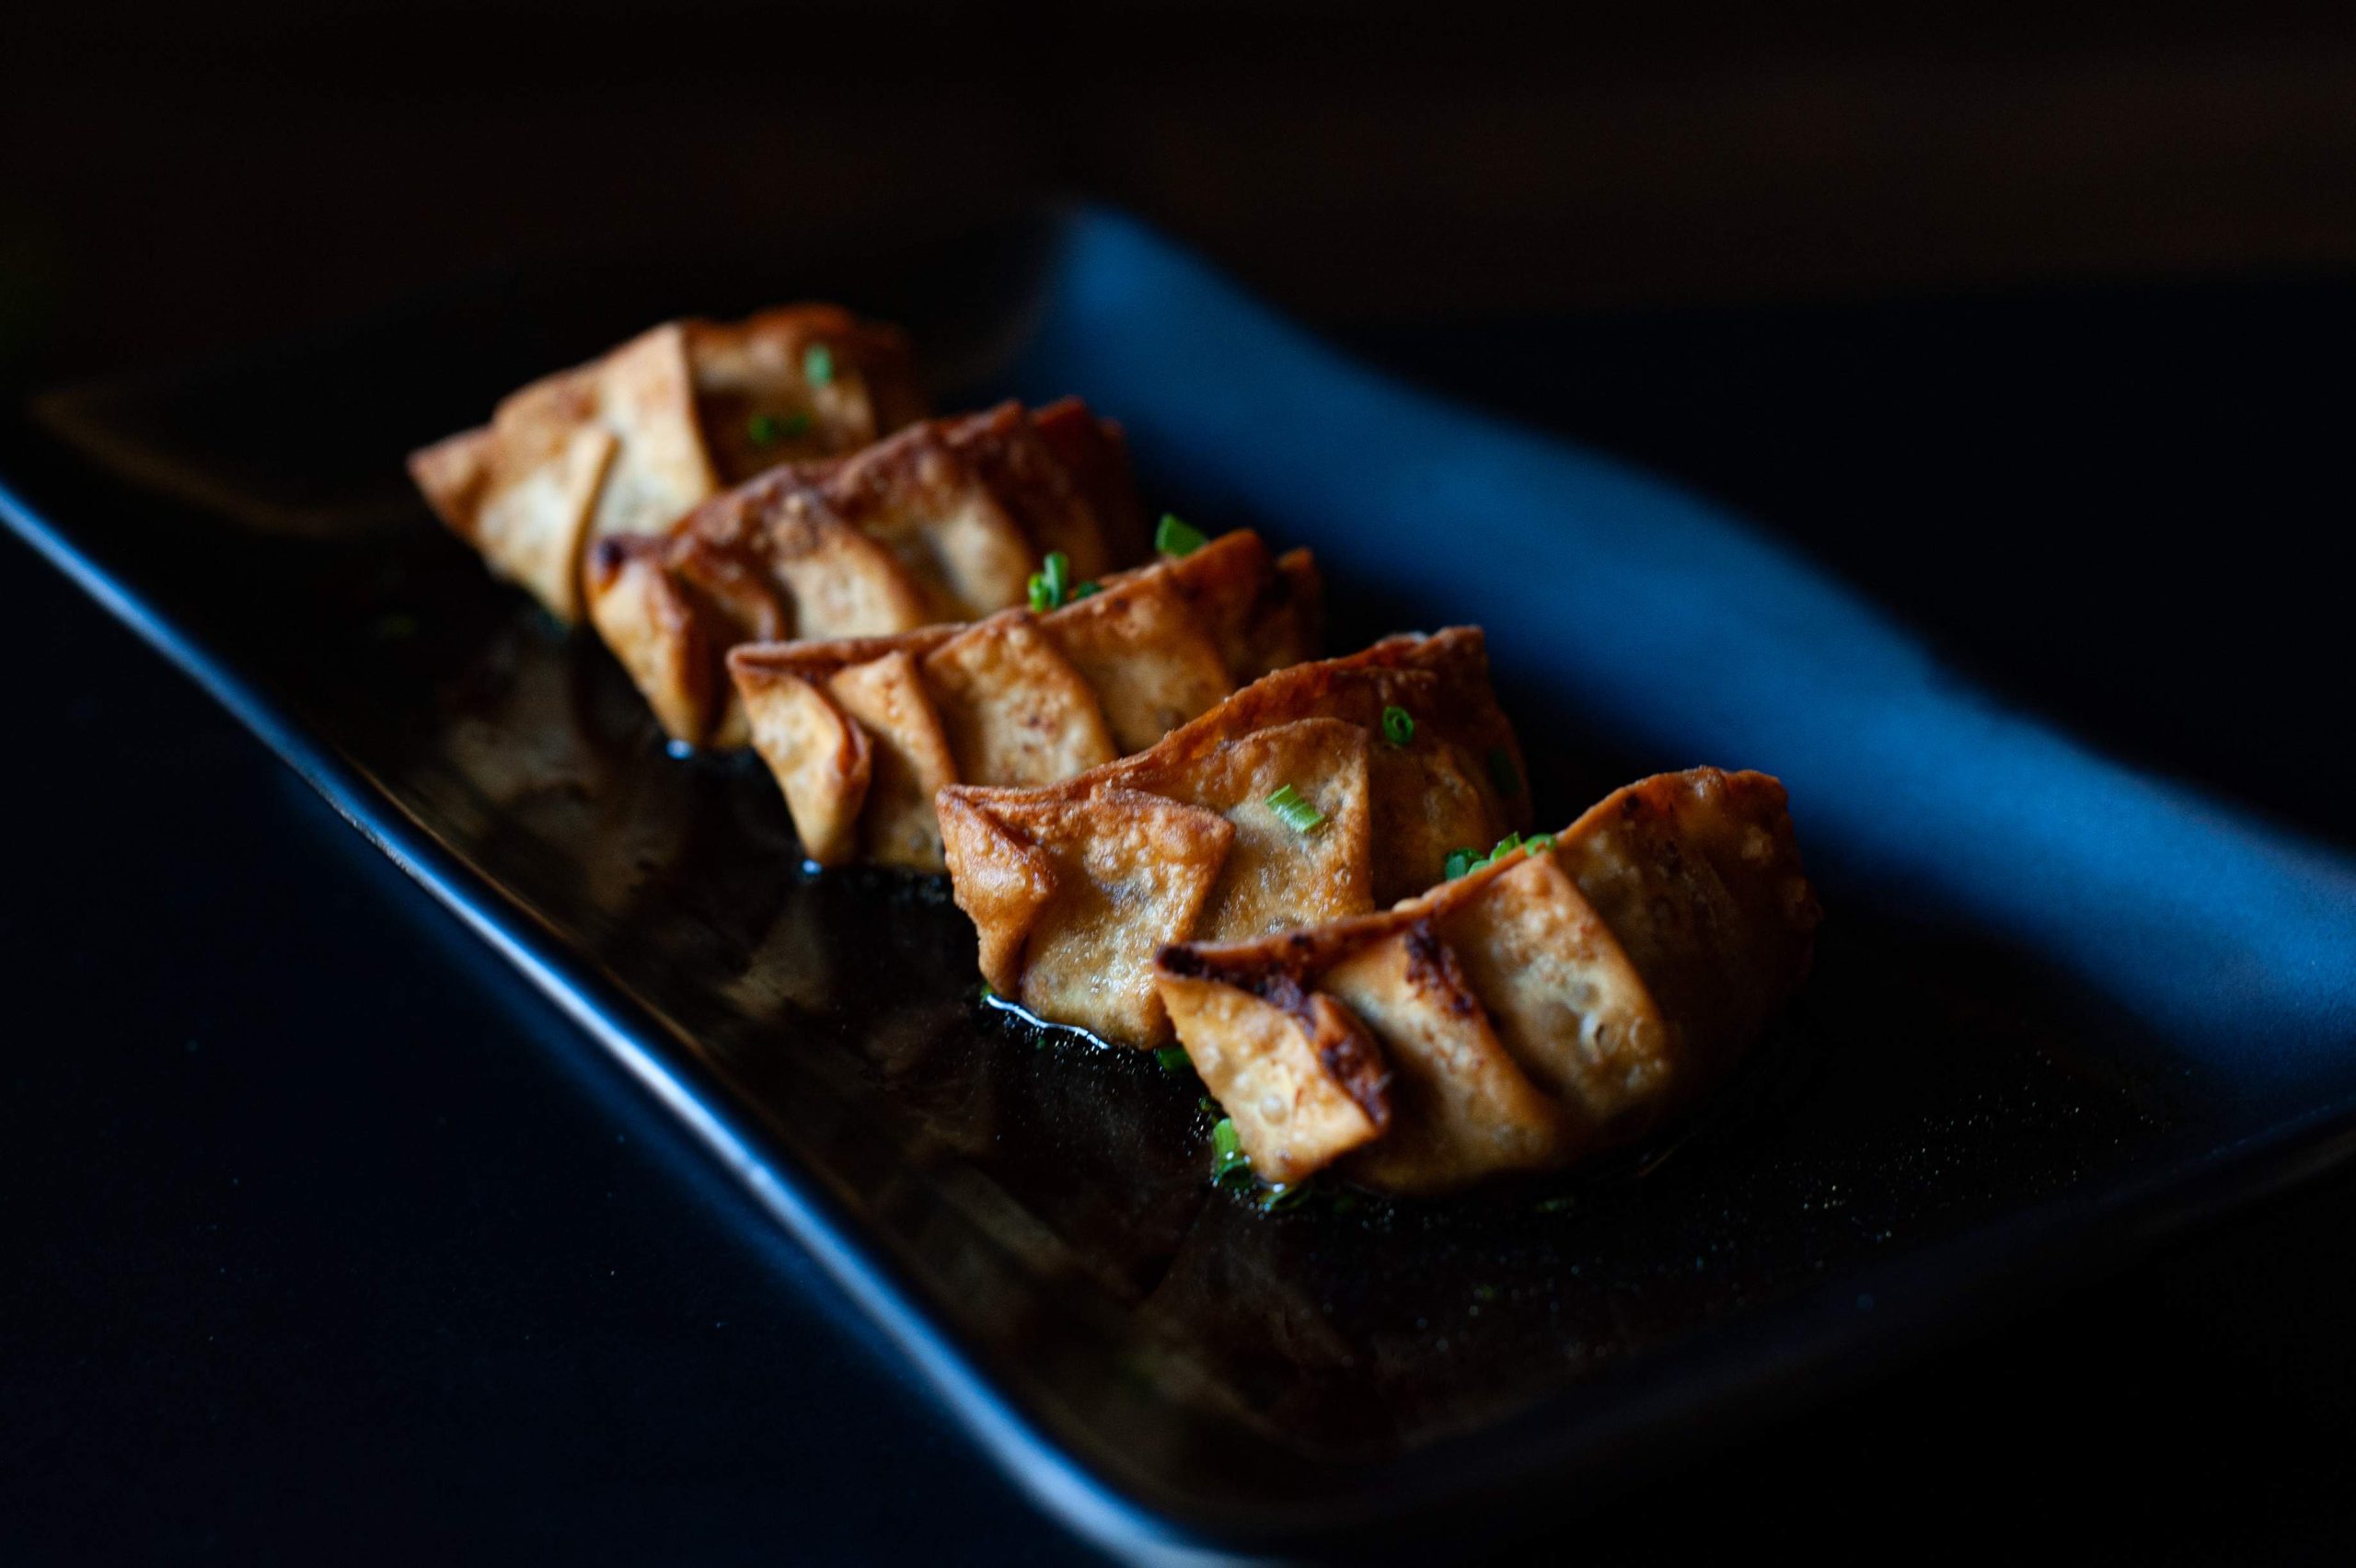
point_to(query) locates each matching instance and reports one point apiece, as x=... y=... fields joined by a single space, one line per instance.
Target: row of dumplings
x=1167 y=816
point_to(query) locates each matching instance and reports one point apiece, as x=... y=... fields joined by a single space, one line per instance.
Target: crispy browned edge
x=452 y=473
x=1457 y=657
x=1286 y=588
x=1295 y=578
x=1096 y=454
x=999 y=449
x=1018 y=464
x=1338 y=1041
x=878 y=351
x=1285 y=969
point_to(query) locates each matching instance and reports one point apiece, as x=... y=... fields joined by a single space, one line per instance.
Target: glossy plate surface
x=1973 y=1101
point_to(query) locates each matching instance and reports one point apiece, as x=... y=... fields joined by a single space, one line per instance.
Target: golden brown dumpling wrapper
x=820 y=756
x=1027 y=698
x=1316 y=729
x=628 y=444
x=910 y=760
x=1147 y=661
x=1698 y=876
x=1096 y=455
x=1087 y=960
x=1013 y=706
x=1305 y=1086
x=941 y=524
x=646 y=618
x=670 y=608
x=1463 y=1109
x=833 y=577
x=928 y=503
x=1540 y=1010
x=1076 y=892
x=1055 y=512
x=1565 y=1002
x=1277 y=875
x=1437 y=793
x=759 y=407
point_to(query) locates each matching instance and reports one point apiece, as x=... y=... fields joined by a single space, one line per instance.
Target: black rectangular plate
x=1947 y=1126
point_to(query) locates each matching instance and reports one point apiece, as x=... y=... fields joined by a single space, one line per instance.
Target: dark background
x=179 y=178
x=334 y=1241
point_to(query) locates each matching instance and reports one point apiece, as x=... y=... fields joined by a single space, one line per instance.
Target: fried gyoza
x=1555 y=1003
x=861 y=731
x=943 y=523
x=1073 y=888
x=629 y=443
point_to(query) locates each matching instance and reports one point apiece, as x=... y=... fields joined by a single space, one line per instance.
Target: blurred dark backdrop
x=174 y=177
x=2036 y=325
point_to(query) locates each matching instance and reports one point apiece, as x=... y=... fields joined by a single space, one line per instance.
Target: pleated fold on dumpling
x=1021 y=698
x=1554 y=1004
x=1299 y=799
x=944 y=523
x=629 y=443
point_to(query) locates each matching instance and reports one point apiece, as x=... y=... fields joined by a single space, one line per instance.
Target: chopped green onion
x=1502 y=772
x=1294 y=811
x=1174 y=1059
x=1556 y=1204
x=1052 y=588
x=1175 y=538
x=1227 y=1158
x=990 y=992
x=1048 y=585
x=1484 y=1294
x=1462 y=862
x=1398 y=725
x=818 y=365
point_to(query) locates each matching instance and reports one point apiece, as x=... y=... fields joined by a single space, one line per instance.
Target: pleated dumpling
x=1557 y=1001
x=943 y=524
x=1320 y=791
x=859 y=732
x=630 y=442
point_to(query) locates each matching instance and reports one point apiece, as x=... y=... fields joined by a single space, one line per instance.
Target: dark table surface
x=336 y=1242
